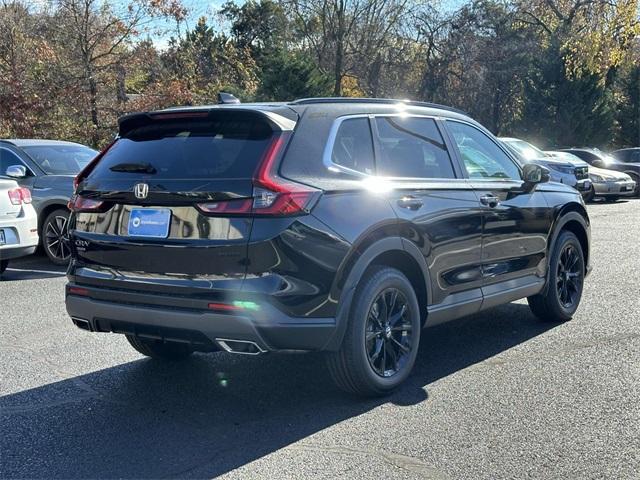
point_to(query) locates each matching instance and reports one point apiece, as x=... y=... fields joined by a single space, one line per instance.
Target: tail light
x=83 y=204
x=90 y=166
x=272 y=194
x=20 y=195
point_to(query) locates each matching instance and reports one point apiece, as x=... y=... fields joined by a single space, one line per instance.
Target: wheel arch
x=394 y=252
x=46 y=210
x=573 y=218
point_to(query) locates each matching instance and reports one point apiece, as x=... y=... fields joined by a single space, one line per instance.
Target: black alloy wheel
x=569 y=276
x=388 y=339
x=561 y=297
x=54 y=237
x=380 y=345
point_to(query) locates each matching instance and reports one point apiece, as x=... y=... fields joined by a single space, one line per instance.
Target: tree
x=98 y=39
x=291 y=76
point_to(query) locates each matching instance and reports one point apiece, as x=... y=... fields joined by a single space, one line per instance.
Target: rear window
x=228 y=145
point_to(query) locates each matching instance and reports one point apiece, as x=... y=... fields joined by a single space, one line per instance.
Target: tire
x=590 y=195
x=552 y=304
x=3 y=266
x=611 y=198
x=636 y=178
x=373 y=336
x=52 y=235
x=170 y=351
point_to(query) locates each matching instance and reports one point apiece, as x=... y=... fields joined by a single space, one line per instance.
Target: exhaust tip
x=82 y=323
x=242 y=347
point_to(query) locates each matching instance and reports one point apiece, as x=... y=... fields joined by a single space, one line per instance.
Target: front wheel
x=172 y=351
x=381 y=342
x=565 y=280
x=54 y=232
x=590 y=194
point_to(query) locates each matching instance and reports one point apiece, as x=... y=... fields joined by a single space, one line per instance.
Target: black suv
x=336 y=225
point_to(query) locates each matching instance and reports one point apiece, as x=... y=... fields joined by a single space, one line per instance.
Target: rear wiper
x=133 y=168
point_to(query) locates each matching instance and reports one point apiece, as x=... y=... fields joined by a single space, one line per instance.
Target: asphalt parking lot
x=497 y=395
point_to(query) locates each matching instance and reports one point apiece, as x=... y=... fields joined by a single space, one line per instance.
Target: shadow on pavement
x=33 y=267
x=216 y=412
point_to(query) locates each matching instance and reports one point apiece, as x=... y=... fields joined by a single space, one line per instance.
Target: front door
x=517 y=220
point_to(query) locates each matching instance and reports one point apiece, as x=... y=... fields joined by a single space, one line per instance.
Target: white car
x=608 y=184
x=18 y=222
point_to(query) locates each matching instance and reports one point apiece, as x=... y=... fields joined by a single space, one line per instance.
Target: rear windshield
x=229 y=146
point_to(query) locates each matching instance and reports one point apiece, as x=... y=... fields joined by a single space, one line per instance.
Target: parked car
x=608 y=184
x=47 y=168
x=576 y=176
x=627 y=155
x=18 y=222
x=334 y=225
x=600 y=159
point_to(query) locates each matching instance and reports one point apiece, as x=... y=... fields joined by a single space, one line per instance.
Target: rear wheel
x=3 y=266
x=566 y=277
x=159 y=349
x=381 y=342
x=54 y=231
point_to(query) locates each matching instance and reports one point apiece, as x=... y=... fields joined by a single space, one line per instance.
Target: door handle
x=490 y=200
x=410 y=202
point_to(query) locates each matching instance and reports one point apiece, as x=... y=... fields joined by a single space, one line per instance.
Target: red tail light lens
x=229 y=207
x=90 y=166
x=26 y=195
x=276 y=196
x=18 y=196
x=83 y=204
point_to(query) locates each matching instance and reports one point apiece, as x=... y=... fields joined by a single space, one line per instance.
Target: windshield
x=525 y=149
x=61 y=159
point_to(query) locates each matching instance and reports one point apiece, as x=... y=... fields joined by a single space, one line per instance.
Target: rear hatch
x=171 y=203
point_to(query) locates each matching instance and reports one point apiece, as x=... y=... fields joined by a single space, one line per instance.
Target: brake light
x=90 y=166
x=83 y=204
x=18 y=196
x=276 y=196
x=228 y=207
x=272 y=194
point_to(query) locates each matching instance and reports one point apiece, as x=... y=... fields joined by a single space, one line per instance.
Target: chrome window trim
x=333 y=132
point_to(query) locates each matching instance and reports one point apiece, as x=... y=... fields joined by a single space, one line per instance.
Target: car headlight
x=596 y=178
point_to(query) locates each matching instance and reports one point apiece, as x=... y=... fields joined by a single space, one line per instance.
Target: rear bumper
x=157 y=317
x=619 y=188
x=16 y=252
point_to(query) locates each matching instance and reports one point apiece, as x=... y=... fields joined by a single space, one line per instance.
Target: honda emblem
x=141 y=190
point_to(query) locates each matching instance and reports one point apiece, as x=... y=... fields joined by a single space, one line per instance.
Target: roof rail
x=386 y=101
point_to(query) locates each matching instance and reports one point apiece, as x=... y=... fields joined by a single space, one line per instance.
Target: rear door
x=517 y=221
x=437 y=208
x=169 y=203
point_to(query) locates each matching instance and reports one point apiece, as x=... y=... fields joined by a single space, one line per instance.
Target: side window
x=7 y=159
x=353 y=146
x=481 y=156
x=412 y=148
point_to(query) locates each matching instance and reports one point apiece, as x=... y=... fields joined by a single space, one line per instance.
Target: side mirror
x=16 y=171
x=532 y=174
x=598 y=163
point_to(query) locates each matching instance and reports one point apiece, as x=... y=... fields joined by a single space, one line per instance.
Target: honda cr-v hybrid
x=335 y=225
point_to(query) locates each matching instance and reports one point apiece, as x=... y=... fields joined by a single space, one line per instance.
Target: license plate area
x=149 y=222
